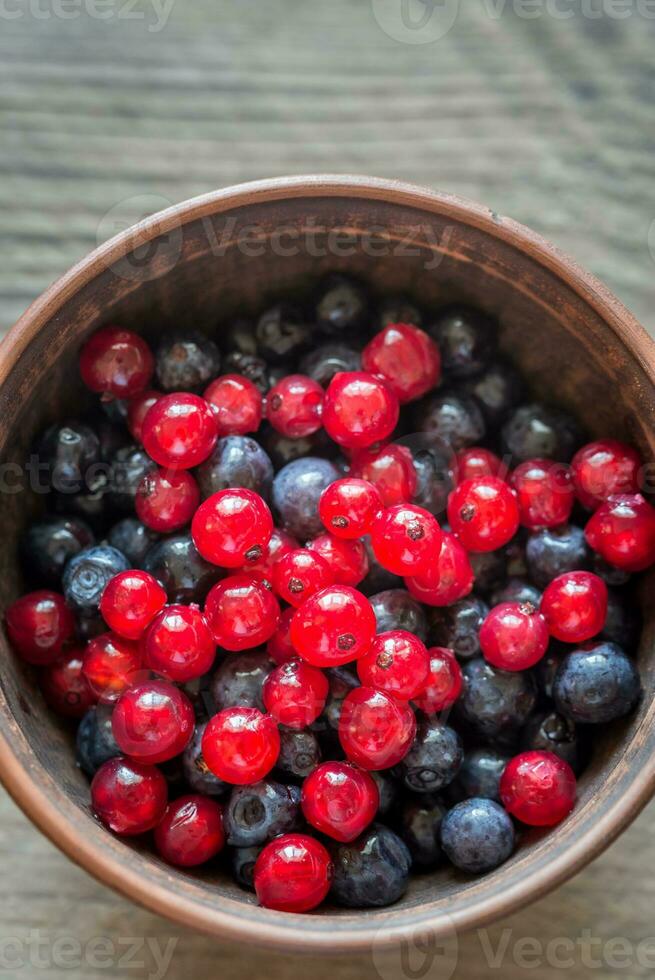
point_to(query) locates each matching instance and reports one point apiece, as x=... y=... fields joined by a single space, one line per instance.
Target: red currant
x=477 y=461
x=603 y=469
x=191 y=831
x=112 y=664
x=232 y=527
x=544 y=491
x=295 y=694
x=137 y=409
x=116 y=362
x=483 y=513
x=444 y=682
x=406 y=358
x=359 y=410
x=236 y=403
x=65 y=688
x=294 y=406
x=292 y=874
x=349 y=507
x=622 y=531
x=280 y=648
x=347 y=560
x=131 y=601
x=448 y=579
x=280 y=544
x=241 y=612
x=405 y=539
x=299 y=574
x=153 y=722
x=166 y=500
x=241 y=745
x=333 y=627
x=375 y=730
x=396 y=663
x=38 y=626
x=514 y=636
x=575 y=606
x=538 y=788
x=179 y=644
x=391 y=470
x=127 y=797
x=340 y=800
x=179 y=431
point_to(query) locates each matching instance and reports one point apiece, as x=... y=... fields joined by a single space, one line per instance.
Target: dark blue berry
x=341 y=681
x=477 y=835
x=547 y=667
x=596 y=685
x=537 y=431
x=48 y=544
x=452 y=417
x=282 y=332
x=458 y=626
x=181 y=570
x=133 y=538
x=372 y=871
x=186 y=362
x=67 y=457
x=249 y=366
x=342 y=307
x=552 y=732
x=466 y=338
x=255 y=814
x=498 y=390
x=517 y=590
x=327 y=360
x=243 y=866
x=196 y=771
x=479 y=775
x=300 y=753
x=87 y=574
x=495 y=702
x=238 y=337
x=434 y=467
x=387 y=792
x=489 y=569
x=396 y=609
x=239 y=679
x=610 y=574
x=283 y=450
x=623 y=621
x=555 y=550
x=297 y=488
x=237 y=461
x=434 y=759
x=398 y=309
x=420 y=822
x=95 y=742
x=128 y=467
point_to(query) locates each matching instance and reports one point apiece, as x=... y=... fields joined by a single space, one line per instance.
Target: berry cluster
x=297 y=637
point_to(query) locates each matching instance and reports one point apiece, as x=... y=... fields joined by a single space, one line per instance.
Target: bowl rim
x=269 y=930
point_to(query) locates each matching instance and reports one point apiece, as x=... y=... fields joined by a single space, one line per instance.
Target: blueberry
x=196 y=771
x=477 y=835
x=341 y=307
x=453 y=417
x=398 y=309
x=128 y=467
x=181 y=570
x=434 y=759
x=297 y=488
x=237 y=461
x=387 y=792
x=489 y=569
x=596 y=685
x=479 y=775
x=495 y=702
x=498 y=390
x=551 y=732
x=86 y=575
x=239 y=679
x=256 y=813
x=466 y=339
x=517 y=590
x=112 y=436
x=555 y=550
x=420 y=822
x=396 y=609
x=133 y=538
x=372 y=871
x=243 y=866
x=434 y=465
x=458 y=626
x=186 y=362
x=250 y=366
x=623 y=621
x=114 y=412
x=282 y=332
x=47 y=545
x=283 y=450
x=610 y=574
x=538 y=431
x=91 y=506
x=67 y=457
x=548 y=666
x=341 y=682
x=238 y=336
x=378 y=579
x=515 y=559
x=300 y=753
x=327 y=360
x=95 y=742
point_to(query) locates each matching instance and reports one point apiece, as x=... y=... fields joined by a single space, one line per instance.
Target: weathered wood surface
x=548 y=120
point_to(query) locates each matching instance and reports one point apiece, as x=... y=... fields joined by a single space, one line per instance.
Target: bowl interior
x=229 y=257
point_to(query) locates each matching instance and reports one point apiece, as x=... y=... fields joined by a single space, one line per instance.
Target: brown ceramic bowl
x=194 y=265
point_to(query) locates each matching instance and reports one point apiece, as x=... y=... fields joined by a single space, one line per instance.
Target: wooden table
x=549 y=120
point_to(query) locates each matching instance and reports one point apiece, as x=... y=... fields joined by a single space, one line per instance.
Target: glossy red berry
x=622 y=531
x=191 y=831
x=347 y=560
x=112 y=664
x=280 y=648
x=116 y=362
x=242 y=612
x=477 y=461
x=349 y=507
x=604 y=468
x=538 y=788
x=131 y=601
x=179 y=644
x=391 y=470
x=232 y=528
x=299 y=574
x=128 y=797
x=406 y=358
x=241 y=745
x=294 y=694
x=514 y=636
x=333 y=627
x=396 y=663
x=179 y=431
x=138 y=407
x=444 y=682
x=280 y=544
x=406 y=539
x=292 y=873
x=166 y=500
x=38 y=626
x=236 y=403
x=294 y=406
x=340 y=800
x=153 y=721
x=359 y=410
x=449 y=578
x=544 y=492
x=483 y=513
x=65 y=688
x=575 y=606
x=375 y=730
